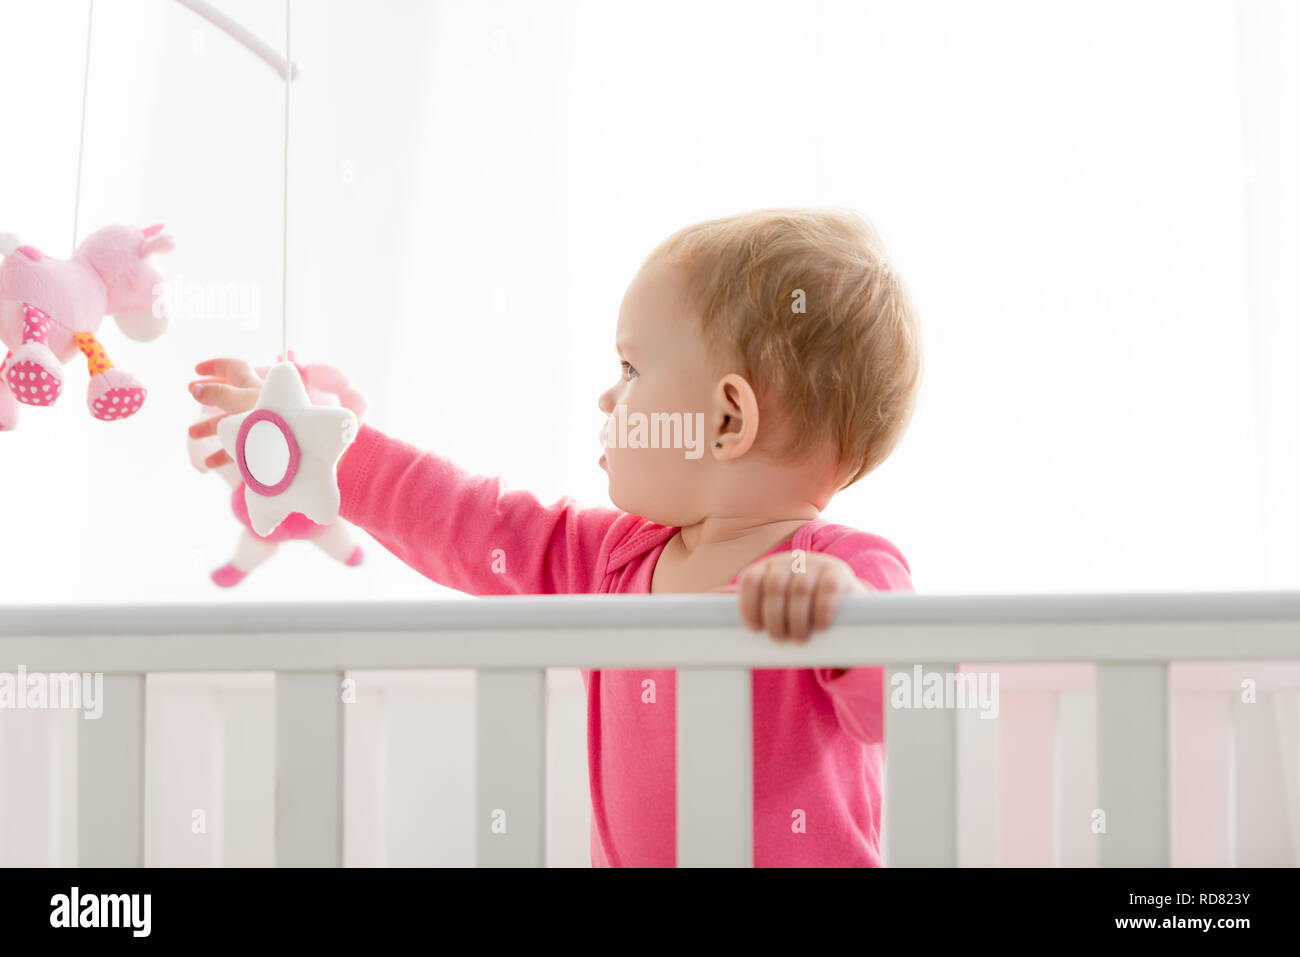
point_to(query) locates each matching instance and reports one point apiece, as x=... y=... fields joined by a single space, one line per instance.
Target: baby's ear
x=736 y=409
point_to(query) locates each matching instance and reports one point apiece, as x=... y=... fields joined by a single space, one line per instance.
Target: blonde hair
x=848 y=367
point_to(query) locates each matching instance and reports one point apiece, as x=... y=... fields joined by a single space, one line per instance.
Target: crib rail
x=511 y=641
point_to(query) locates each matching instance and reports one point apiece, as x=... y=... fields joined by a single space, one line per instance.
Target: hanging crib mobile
x=325 y=386
x=286 y=448
x=51 y=308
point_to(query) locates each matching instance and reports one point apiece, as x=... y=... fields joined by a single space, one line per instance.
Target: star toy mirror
x=287 y=451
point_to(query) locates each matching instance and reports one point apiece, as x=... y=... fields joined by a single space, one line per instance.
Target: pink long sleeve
x=858 y=693
x=469 y=532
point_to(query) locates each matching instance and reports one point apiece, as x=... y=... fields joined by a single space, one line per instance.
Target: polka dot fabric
x=97 y=360
x=30 y=381
x=36 y=325
x=115 y=394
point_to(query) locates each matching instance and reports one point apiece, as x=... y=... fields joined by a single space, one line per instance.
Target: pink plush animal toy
x=325 y=386
x=51 y=308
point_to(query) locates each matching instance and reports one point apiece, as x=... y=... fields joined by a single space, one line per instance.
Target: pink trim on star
x=295 y=454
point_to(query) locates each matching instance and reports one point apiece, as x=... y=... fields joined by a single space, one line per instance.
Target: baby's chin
x=653 y=508
x=644 y=488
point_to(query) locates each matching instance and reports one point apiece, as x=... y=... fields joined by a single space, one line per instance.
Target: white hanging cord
x=284 y=231
x=81 y=136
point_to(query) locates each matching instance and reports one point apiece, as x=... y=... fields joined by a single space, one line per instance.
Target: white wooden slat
x=979 y=768
x=366 y=778
x=1133 y=764
x=110 y=777
x=920 y=812
x=1286 y=707
x=510 y=775
x=568 y=830
x=309 y=769
x=715 y=756
x=1076 y=724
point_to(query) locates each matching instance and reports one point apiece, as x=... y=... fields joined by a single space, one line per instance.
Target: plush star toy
x=287 y=451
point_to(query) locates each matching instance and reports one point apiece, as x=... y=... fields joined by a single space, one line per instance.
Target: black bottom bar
x=931 y=907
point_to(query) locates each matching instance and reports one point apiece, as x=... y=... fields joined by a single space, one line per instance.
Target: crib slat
x=920 y=812
x=110 y=777
x=1133 y=764
x=510 y=763
x=715 y=752
x=309 y=769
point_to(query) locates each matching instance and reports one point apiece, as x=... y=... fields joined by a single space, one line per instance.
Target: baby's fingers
x=751 y=597
x=826 y=601
x=218 y=459
x=225 y=396
x=201 y=430
x=776 y=577
x=237 y=372
x=799 y=611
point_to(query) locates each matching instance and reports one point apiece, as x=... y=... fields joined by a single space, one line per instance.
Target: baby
x=788 y=337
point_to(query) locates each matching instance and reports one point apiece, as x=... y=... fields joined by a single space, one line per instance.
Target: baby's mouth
x=602 y=436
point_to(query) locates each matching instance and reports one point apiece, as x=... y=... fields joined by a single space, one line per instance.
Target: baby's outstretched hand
x=792 y=594
x=233 y=385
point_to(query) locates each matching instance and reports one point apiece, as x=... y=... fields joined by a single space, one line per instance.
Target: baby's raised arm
x=468 y=531
x=464 y=531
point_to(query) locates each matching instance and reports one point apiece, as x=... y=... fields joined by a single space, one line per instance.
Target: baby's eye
x=628 y=371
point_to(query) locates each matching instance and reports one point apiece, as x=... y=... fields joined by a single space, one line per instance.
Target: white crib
x=510 y=642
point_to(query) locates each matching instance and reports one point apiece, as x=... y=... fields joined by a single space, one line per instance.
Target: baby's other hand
x=792 y=594
x=233 y=386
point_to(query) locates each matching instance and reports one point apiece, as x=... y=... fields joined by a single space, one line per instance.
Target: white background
x=1095 y=204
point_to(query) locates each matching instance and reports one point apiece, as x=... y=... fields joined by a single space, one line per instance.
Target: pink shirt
x=818 y=733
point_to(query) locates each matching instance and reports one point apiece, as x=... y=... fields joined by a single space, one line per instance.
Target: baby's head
x=768 y=360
